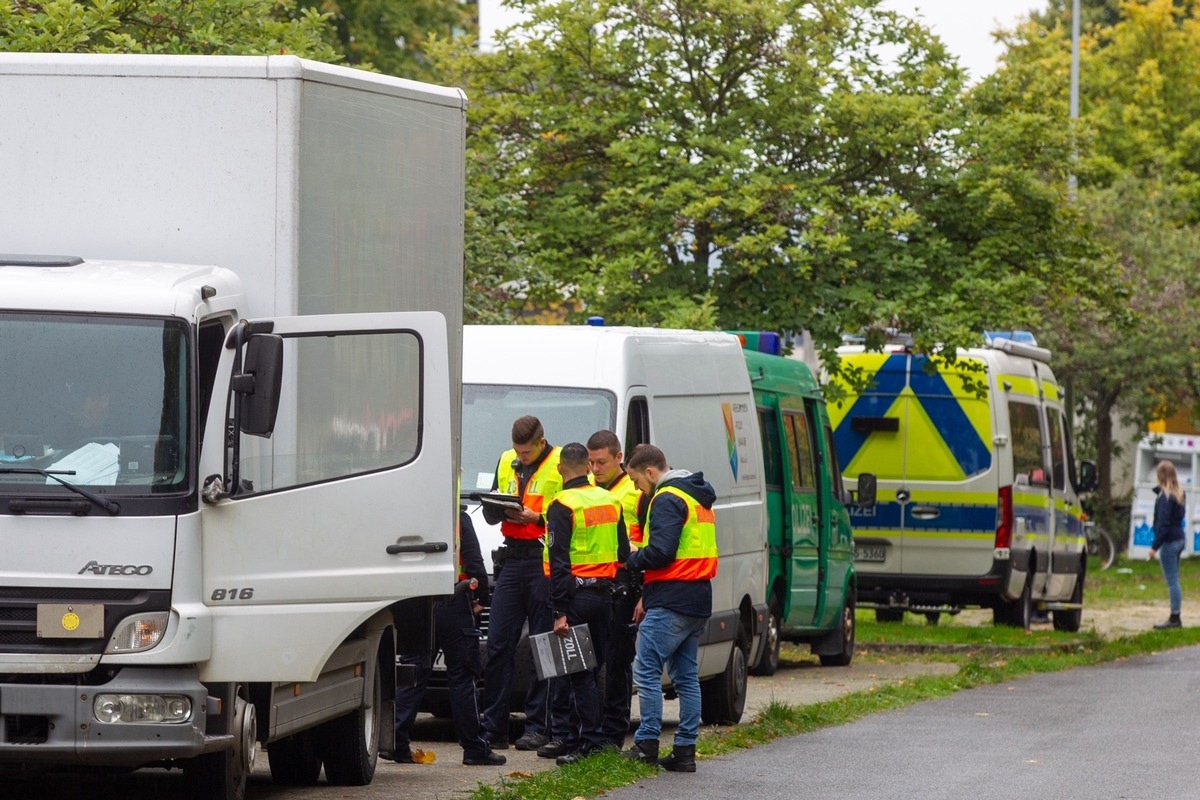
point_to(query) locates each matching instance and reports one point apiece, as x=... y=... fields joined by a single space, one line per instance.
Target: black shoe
x=682 y=759
x=573 y=758
x=497 y=744
x=1173 y=622
x=532 y=741
x=483 y=759
x=645 y=751
x=400 y=756
x=553 y=749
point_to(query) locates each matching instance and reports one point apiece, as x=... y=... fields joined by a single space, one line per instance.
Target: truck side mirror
x=1089 y=479
x=259 y=384
x=866 y=490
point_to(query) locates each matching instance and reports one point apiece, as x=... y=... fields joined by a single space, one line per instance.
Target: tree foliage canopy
x=393 y=35
x=1139 y=183
x=203 y=27
x=760 y=163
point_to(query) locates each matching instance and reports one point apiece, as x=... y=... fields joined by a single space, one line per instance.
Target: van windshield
x=104 y=398
x=568 y=415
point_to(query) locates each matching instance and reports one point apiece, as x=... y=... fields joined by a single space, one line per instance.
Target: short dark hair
x=527 y=430
x=646 y=455
x=573 y=456
x=604 y=440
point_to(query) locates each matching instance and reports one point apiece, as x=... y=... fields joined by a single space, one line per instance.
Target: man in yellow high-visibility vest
x=585 y=540
x=605 y=459
x=679 y=559
x=529 y=471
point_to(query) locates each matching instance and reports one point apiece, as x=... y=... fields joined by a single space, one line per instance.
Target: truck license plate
x=873 y=552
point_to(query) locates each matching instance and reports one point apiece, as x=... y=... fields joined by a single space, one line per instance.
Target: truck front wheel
x=223 y=775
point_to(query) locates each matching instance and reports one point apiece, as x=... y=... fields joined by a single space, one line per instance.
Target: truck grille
x=18 y=615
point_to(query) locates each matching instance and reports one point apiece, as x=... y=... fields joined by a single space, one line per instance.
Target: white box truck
x=689 y=393
x=228 y=476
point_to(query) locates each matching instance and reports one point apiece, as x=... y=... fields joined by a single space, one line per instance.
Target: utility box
x=1182 y=450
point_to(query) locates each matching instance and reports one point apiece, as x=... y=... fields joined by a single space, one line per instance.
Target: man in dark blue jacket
x=679 y=560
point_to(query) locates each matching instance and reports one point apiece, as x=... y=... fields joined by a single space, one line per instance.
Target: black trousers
x=458 y=639
x=595 y=609
x=520 y=597
x=618 y=667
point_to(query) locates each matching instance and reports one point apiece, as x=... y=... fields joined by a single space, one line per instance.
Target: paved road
x=1123 y=730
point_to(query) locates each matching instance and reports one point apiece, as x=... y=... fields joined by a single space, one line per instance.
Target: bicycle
x=1100 y=544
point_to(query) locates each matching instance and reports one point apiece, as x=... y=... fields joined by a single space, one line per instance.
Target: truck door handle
x=926 y=512
x=426 y=547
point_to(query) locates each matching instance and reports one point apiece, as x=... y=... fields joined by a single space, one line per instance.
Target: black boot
x=682 y=759
x=1172 y=622
x=645 y=751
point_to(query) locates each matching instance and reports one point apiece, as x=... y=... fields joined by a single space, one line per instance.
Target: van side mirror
x=259 y=385
x=1089 y=478
x=867 y=488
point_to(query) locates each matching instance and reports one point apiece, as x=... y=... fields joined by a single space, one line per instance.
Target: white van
x=978 y=497
x=688 y=393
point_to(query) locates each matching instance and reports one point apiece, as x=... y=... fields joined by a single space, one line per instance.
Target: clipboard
x=501 y=501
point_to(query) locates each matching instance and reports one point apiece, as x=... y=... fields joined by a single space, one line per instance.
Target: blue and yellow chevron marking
x=948 y=433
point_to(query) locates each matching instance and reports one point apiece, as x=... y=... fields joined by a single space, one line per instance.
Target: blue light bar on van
x=1021 y=337
x=596 y=322
x=761 y=341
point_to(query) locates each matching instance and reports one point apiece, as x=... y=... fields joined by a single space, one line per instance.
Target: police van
x=978 y=494
x=688 y=392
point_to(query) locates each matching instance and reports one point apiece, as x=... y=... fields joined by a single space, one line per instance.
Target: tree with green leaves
x=204 y=27
x=1139 y=182
x=760 y=163
x=393 y=35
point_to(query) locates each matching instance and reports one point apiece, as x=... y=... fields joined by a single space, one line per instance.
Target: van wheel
x=223 y=775
x=1018 y=613
x=889 y=615
x=723 y=698
x=350 y=743
x=845 y=631
x=294 y=761
x=1070 y=621
x=770 y=657
x=933 y=617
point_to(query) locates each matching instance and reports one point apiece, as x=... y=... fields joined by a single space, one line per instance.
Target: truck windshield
x=99 y=401
x=568 y=415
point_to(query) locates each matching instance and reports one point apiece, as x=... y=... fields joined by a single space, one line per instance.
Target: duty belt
x=523 y=548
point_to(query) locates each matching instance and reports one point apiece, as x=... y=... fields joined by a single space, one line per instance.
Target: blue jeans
x=671 y=640
x=1169 y=557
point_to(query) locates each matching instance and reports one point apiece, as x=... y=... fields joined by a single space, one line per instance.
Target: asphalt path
x=1121 y=730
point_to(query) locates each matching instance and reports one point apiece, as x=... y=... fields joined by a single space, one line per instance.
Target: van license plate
x=870 y=553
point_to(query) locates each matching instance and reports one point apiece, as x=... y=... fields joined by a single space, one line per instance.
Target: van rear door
x=870 y=430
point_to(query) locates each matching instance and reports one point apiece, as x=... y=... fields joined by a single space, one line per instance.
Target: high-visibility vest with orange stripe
x=541 y=489
x=628 y=495
x=696 y=558
x=594 y=517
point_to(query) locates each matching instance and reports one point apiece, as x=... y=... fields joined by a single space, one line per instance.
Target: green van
x=811 y=578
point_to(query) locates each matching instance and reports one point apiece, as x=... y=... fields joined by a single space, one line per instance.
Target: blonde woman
x=1168 y=536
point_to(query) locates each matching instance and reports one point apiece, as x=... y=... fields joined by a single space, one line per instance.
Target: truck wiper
x=110 y=506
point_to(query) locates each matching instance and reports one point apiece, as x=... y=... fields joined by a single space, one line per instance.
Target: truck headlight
x=169 y=708
x=138 y=633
